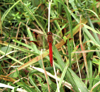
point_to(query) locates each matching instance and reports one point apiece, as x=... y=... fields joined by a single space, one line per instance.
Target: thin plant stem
x=56 y=77
x=94 y=86
x=49 y=16
x=45 y=73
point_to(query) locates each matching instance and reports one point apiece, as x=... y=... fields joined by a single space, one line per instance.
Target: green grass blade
x=32 y=82
x=32 y=39
x=7 y=11
x=58 y=57
x=69 y=52
x=78 y=82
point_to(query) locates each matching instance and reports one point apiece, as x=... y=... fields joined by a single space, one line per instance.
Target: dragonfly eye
x=49 y=33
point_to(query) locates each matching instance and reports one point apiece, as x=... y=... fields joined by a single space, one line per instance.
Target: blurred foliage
x=22 y=21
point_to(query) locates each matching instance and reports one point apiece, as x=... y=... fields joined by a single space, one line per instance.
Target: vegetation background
x=24 y=55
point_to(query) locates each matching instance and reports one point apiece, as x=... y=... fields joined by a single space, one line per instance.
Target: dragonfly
x=50 y=40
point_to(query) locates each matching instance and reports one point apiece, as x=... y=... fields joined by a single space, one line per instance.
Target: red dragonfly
x=50 y=40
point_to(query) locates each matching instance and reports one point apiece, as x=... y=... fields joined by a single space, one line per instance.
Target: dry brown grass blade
x=59 y=45
x=6 y=78
x=82 y=48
